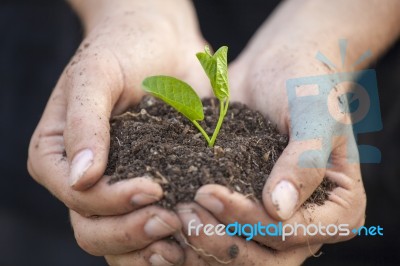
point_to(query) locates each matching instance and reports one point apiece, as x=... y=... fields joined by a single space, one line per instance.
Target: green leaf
x=216 y=68
x=207 y=50
x=176 y=93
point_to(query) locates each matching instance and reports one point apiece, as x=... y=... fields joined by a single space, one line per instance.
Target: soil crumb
x=153 y=140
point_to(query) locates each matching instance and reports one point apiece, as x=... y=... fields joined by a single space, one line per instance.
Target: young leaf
x=176 y=93
x=207 y=50
x=216 y=68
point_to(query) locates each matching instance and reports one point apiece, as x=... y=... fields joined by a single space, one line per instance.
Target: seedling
x=185 y=100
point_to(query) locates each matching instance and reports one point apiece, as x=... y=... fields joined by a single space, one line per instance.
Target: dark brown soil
x=154 y=140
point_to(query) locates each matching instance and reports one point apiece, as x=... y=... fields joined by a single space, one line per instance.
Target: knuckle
x=31 y=170
x=126 y=236
x=85 y=245
x=79 y=207
x=314 y=161
x=87 y=67
x=358 y=212
x=74 y=121
x=81 y=238
x=33 y=147
x=70 y=204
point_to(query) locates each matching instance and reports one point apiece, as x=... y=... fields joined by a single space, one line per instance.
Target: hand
x=205 y=250
x=290 y=184
x=126 y=41
x=160 y=253
x=214 y=250
x=258 y=78
x=346 y=203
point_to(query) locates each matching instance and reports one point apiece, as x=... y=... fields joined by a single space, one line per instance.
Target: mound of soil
x=154 y=140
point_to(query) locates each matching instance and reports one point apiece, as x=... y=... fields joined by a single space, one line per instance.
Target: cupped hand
x=261 y=84
x=203 y=246
x=125 y=42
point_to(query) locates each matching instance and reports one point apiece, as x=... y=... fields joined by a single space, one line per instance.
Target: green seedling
x=185 y=100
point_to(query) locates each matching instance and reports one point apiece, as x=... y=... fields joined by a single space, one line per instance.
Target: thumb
x=93 y=86
x=297 y=173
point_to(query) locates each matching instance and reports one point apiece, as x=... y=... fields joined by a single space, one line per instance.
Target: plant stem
x=202 y=131
x=222 y=112
x=226 y=106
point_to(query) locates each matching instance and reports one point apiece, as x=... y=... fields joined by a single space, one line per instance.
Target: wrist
x=179 y=15
x=89 y=11
x=95 y=12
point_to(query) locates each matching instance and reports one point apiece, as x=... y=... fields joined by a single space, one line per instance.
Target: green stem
x=201 y=131
x=222 y=112
x=226 y=106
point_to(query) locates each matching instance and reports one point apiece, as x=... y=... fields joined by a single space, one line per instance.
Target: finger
x=230 y=207
x=224 y=249
x=313 y=136
x=296 y=174
x=49 y=167
x=113 y=235
x=93 y=84
x=345 y=205
x=301 y=168
x=121 y=197
x=192 y=258
x=160 y=253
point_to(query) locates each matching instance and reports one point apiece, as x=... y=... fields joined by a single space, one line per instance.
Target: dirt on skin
x=154 y=140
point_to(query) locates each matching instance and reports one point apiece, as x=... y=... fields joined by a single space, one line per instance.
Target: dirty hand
x=303 y=164
x=288 y=186
x=283 y=50
x=217 y=250
x=125 y=42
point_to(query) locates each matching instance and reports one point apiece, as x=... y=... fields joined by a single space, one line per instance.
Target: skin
x=129 y=40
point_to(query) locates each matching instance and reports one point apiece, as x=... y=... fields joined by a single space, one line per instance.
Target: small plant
x=185 y=100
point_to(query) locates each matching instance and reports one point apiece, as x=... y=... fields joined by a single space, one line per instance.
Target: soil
x=154 y=140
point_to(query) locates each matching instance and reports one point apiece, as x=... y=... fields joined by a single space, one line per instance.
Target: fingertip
x=161 y=224
x=86 y=169
x=294 y=177
x=81 y=162
x=166 y=253
x=213 y=188
x=143 y=199
x=90 y=99
x=281 y=202
x=158 y=260
x=145 y=185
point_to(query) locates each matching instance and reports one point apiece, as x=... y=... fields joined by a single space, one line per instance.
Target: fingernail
x=156 y=227
x=189 y=219
x=81 y=162
x=285 y=197
x=143 y=199
x=158 y=260
x=209 y=202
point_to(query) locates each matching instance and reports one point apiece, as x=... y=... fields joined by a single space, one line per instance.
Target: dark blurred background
x=37 y=38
